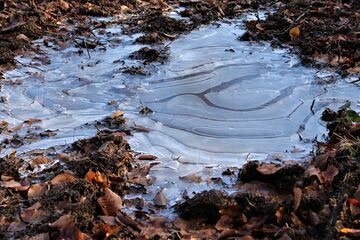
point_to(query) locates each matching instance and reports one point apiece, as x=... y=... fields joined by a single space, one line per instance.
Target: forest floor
x=80 y=193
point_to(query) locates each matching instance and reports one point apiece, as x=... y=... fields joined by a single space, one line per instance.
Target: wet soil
x=324 y=33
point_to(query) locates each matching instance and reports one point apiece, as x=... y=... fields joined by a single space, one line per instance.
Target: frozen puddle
x=217 y=103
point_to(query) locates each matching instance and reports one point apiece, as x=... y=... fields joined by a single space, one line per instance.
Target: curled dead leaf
x=329 y=174
x=90 y=175
x=36 y=190
x=63 y=179
x=350 y=230
x=110 y=203
x=268 y=169
x=297 y=197
x=147 y=157
x=160 y=200
x=68 y=229
x=191 y=178
x=117 y=114
x=294 y=32
x=33 y=214
x=39 y=160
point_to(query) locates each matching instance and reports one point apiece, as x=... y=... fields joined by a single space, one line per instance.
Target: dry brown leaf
x=111 y=220
x=224 y=223
x=32 y=120
x=15 y=185
x=147 y=157
x=350 y=230
x=296 y=221
x=39 y=160
x=329 y=174
x=100 y=178
x=37 y=190
x=117 y=114
x=314 y=218
x=41 y=236
x=313 y=171
x=160 y=200
x=16 y=227
x=33 y=214
x=110 y=203
x=63 y=179
x=294 y=32
x=280 y=215
x=268 y=169
x=68 y=229
x=90 y=175
x=297 y=197
x=5 y=177
x=191 y=178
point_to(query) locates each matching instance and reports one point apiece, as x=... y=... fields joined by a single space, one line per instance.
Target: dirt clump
x=149 y=55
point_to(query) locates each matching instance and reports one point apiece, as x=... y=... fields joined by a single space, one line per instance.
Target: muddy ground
x=80 y=192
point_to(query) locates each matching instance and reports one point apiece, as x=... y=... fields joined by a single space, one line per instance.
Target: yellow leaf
x=294 y=32
x=117 y=114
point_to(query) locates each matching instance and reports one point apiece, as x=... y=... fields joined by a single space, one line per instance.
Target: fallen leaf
x=191 y=178
x=268 y=169
x=329 y=174
x=117 y=114
x=224 y=223
x=297 y=197
x=22 y=37
x=90 y=175
x=63 y=179
x=33 y=214
x=296 y=221
x=41 y=236
x=36 y=190
x=32 y=120
x=39 y=160
x=160 y=199
x=349 y=230
x=294 y=32
x=110 y=203
x=68 y=229
x=147 y=157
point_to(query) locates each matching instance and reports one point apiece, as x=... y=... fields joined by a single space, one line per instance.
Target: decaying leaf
x=294 y=32
x=350 y=230
x=39 y=160
x=191 y=178
x=36 y=190
x=68 y=229
x=297 y=197
x=63 y=179
x=147 y=157
x=110 y=203
x=329 y=174
x=268 y=169
x=33 y=214
x=117 y=114
x=160 y=199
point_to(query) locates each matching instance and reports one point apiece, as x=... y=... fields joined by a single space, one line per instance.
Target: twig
x=312 y=107
x=26 y=65
x=87 y=49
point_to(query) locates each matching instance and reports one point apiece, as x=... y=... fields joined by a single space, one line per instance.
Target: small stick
x=312 y=107
x=26 y=65
x=87 y=49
